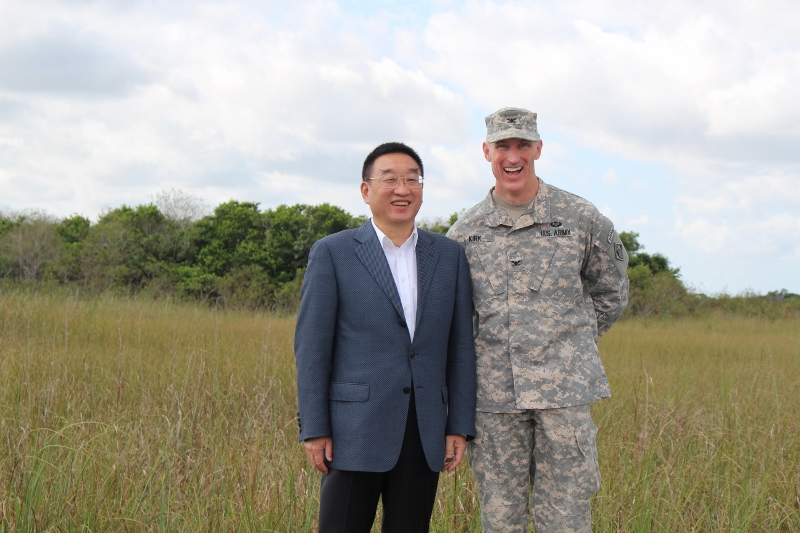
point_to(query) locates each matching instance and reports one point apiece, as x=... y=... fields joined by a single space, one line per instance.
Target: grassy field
x=141 y=415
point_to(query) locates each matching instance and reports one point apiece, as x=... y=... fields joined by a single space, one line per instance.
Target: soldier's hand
x=454 y=448
x=318 y=450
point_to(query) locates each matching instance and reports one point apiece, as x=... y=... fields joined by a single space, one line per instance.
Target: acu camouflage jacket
x=544 y=290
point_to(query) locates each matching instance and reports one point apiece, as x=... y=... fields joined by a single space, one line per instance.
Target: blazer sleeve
x=313 y=342
x=461 y=377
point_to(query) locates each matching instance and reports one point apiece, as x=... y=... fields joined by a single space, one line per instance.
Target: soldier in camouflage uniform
x=549 y=277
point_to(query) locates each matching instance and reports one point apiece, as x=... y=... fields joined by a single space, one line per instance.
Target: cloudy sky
x=679 y=119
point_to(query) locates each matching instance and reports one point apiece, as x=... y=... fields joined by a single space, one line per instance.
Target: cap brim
x=512 y=134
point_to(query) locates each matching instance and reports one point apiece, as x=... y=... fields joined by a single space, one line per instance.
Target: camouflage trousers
x=548 y=455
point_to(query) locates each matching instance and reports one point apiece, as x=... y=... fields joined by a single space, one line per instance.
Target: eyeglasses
x=412 y=181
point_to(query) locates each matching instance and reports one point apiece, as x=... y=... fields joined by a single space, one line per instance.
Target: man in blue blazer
x=385 y=358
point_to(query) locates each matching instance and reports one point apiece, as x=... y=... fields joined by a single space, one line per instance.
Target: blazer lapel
x=426 y=266
x=373 y=258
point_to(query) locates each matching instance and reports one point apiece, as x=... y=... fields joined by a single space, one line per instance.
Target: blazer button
x=402 y=323
x=412 y=355
x=406 y=390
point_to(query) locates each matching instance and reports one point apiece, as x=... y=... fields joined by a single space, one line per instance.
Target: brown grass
x=141 y=415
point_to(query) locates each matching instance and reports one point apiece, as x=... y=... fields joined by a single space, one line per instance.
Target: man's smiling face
x=512 y=166
x=392 y=208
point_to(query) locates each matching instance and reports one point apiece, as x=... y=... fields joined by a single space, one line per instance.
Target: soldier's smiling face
x=512 y=166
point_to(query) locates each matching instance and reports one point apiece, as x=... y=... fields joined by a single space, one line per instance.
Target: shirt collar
x=383 y=239
x=539 y=208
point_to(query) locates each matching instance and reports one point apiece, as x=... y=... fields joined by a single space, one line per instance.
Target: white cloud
x=105 y=103
x=771 y=239
x=460 y=177
x=670 y=89
x=703 y=89
x=611 y=178
x=757 y=215
x=231 y=95
x=640 y=222
x=705 y=235
x=610 y=212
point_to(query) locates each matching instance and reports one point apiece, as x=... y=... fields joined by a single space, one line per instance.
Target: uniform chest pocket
x=488 y=269
x=541 y=267
x=550 y=272
x=528 y=269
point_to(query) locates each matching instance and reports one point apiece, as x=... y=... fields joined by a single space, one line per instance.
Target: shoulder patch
x=619 y=251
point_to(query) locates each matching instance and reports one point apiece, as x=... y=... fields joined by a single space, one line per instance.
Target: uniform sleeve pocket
x=348 y=392
x=604 y=234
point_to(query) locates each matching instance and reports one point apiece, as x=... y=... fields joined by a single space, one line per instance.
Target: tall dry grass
x=141 y=415
x=128 y=415
x=703 y=431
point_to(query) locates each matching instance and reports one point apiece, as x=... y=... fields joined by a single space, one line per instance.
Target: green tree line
x=657 y=290
x=240 y=255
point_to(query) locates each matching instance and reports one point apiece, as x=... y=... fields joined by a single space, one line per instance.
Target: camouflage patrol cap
x=511 y=123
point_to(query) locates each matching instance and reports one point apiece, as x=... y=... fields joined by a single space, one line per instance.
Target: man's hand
x=317 y=450
x=454 y=448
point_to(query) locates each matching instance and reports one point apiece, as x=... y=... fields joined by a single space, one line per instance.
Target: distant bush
x=749 y=304
x=439 y=224
x=238 y=256
x=656 y=290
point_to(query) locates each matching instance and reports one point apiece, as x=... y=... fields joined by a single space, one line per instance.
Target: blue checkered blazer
x=355 y=358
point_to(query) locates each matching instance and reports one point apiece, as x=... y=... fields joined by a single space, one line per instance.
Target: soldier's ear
x=486 y=151
x=538 y=150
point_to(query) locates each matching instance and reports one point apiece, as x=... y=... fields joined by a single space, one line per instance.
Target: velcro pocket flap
x=537 y=267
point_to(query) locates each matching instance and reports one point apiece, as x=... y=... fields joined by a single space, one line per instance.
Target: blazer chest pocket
x=348 y=392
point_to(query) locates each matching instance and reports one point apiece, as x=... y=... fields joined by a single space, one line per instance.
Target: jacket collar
x=372 y=256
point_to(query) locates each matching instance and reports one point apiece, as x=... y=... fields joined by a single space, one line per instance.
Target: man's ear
x=365 y=191
x=486 y=151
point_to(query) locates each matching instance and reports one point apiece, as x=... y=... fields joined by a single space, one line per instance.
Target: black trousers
x=349 y=500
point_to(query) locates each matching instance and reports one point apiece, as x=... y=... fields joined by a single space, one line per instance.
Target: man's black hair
x=389 y=148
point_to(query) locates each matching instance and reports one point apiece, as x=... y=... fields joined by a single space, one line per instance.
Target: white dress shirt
x=403 y=264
